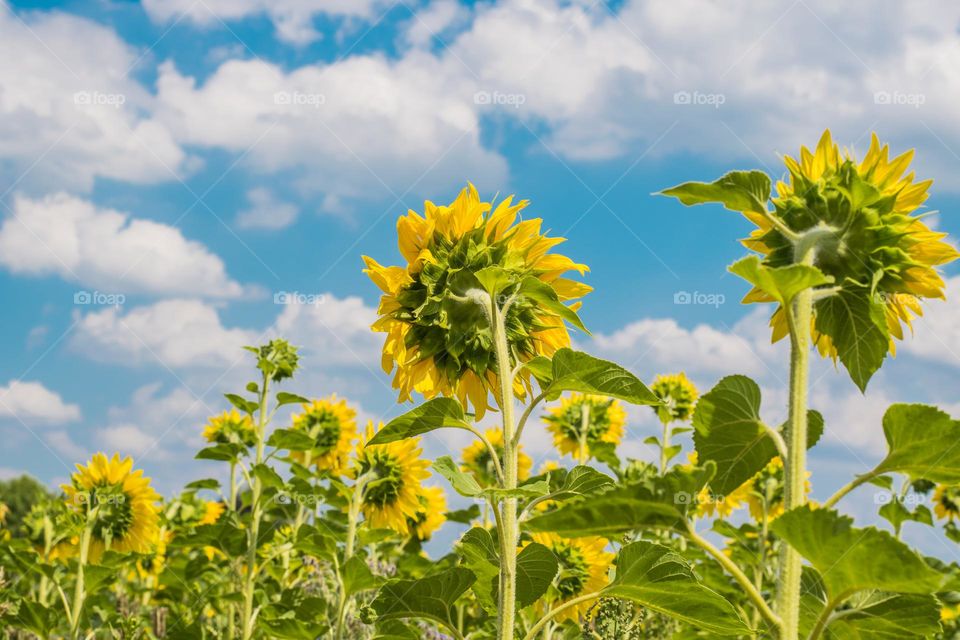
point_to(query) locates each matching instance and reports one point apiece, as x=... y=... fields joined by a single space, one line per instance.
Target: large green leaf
x=580 y=481
x=728 y=431
x=463 y=483
x=738 y=191
x=857 y=325
x=660 y=579
x=432 y=414
x=654 y=502
x=781 y=283
x=578 y=371
x=887 y=616
x=851 y=559
x=922 y=442
x=357 y=576
x=536 y=568
x=429 y=598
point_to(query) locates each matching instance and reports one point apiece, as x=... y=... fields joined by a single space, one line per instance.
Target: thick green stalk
x=509 y=531
x=799 y=318
x=79 y=589
x=664 y=445
x=584 y=450
x=256 y=514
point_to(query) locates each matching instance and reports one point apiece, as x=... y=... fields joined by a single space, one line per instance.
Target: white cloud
x=937 y=333
x=292 y=19
x=189 y=333
x=32 y=402
x=63 y=443
x=171 y=333
x=434 y=22
x=108 y=250
x=126 y=439
x=266 y=211
x=69 y=110
x=365 y=128
x=662 y=344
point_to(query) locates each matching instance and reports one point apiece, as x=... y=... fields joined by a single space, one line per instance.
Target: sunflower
x=431 y=515
x=709 y=504
x=584 y=567
x=476 y=459
x=678 y=395
x=946 y=502
x=877 y=246
x=127 y=519
x=438 y=342
x=393 y=474
x=231 y=428
x=212 y=510
x=583 y=422
x=765 y=491
x=151 y=566
x=332 y=425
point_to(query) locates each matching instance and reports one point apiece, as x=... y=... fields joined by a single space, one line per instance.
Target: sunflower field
x=316 y=526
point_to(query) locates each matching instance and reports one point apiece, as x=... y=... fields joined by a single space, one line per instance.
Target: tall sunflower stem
x=79 y=589
x=799 y=319
x=256 y=515
x=508 y=531
x=664 y=445
x=583 y=451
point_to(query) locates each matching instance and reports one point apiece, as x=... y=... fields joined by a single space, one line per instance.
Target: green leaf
x=432 y=414
x=206 y=483
x=463 y=483
x=536 y=568
x=781 y=283
x=578 y=371
x=728 y=431
x=544 y=295
x=857 y=325
x=291 y=629
x=479 y=553
x=31 y=616
x=357 y=576
x=224 y=452
x=654 y=502
x=660 y=579
x=884 y=616
x=430 y=598
x=290 y=398
x=582 y=480
x=851 y=559
x=542 y=369
x=464 y=516
x=267 y=476
x=921 y=443
x=241 y=403
x=738 y=191
x=290 y=440
x=494 y=279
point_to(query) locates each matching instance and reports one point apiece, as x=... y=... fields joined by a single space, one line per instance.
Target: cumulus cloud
x=266 y=211
x=171 y=333
x=937 y=332
x=107 y=249
x=292 y=19
x=31 y=402
x=366 y=127
x=69 y=111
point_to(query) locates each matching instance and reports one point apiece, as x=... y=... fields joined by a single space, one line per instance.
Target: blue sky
x=198 y=157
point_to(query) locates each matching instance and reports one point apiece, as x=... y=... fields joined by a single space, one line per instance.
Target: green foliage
x=737 y=191
x=856 y=323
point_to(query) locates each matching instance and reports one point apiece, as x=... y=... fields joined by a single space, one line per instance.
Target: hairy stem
x=256 y=514
x=799 y=317
x=79 y=589
x=550 y=615
x=508 y=517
